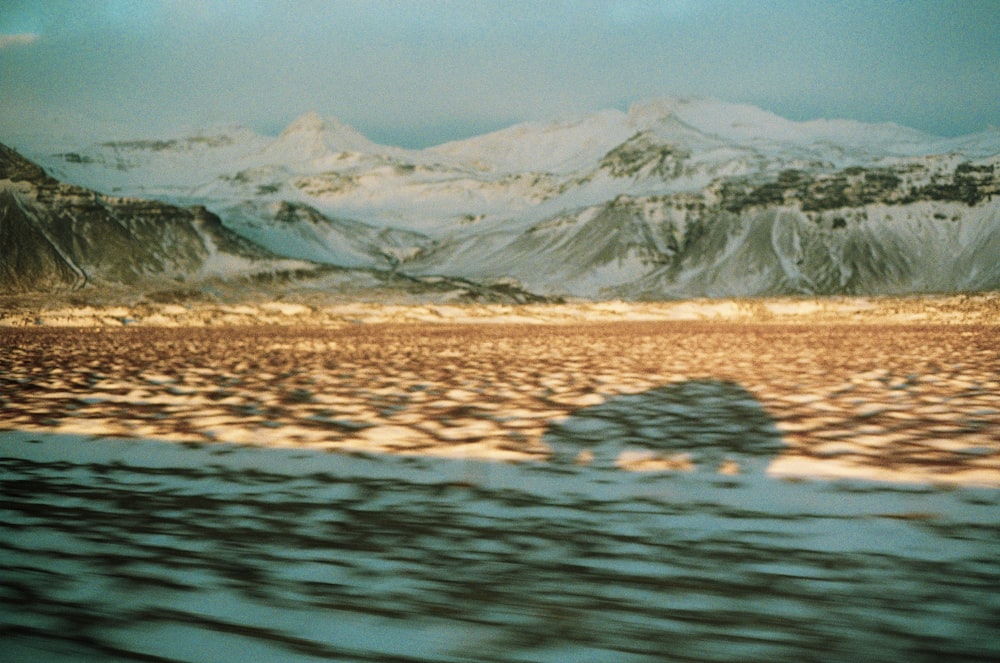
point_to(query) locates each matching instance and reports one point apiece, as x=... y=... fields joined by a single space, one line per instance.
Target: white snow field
x=132 y=550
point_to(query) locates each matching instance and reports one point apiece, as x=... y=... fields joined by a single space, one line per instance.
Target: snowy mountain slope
x=747 y=125
x=311 y=136
x=544 y=147
x=59 y=238
x=921 y=228
x=55 y=235
x=782 y=251
x=163 y=167
x=300 y=231
x=315 y=161
x=674 y=198
x=421 y=198
x=577 y=253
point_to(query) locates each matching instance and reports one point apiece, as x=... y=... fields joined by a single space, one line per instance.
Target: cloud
x=22 y=39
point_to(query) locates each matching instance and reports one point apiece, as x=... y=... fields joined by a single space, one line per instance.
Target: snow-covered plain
x=134 y=551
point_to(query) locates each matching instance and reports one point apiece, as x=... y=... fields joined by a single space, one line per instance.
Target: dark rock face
x=16 y=168
x=643 y=154
x=966 y=183
x=29 y=256
x=56 y=236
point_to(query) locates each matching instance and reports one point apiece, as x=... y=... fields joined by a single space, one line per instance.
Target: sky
x=420 y=72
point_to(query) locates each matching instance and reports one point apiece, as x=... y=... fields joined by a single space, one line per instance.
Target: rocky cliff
x=55 y=236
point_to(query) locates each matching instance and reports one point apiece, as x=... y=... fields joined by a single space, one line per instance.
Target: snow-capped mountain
x=56 y=235
x=924 y=228
x=154 y=167
x=313 y=137
x=673 y=198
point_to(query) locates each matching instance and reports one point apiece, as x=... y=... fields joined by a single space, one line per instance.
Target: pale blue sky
x=420 y=72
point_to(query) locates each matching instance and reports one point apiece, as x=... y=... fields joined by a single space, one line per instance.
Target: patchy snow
x=324 y=310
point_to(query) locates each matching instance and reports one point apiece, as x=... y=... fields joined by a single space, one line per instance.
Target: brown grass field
x=900 y=402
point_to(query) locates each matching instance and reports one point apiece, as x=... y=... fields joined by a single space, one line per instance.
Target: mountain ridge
x=56 y=235
x=62 y=238
x=676 y=197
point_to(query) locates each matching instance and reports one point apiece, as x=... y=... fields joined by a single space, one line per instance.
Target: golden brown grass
x=911 y=402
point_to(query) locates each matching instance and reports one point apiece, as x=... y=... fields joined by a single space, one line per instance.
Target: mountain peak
x=15 y=167
x=312 y=136
x=312 y=122
x=705 y=114
x=657 y=108
x=309 y=122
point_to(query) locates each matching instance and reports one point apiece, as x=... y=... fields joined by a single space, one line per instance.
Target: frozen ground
x=646 y=490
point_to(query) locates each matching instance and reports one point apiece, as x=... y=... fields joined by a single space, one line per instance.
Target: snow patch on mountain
x=303 y=232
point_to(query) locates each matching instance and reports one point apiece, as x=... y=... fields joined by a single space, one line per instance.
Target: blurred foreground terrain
x=726 y=480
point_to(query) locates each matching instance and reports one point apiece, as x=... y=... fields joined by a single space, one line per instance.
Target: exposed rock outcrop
x=56 y=236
